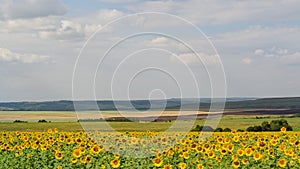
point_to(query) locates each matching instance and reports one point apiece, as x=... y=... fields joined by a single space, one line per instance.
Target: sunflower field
x=58 y=149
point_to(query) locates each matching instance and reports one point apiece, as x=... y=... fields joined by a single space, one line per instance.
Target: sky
x=132 y=49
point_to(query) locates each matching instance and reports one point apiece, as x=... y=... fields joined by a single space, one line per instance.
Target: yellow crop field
x=58 y=149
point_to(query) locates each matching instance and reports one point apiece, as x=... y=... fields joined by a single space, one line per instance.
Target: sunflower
x=294 y=156
x=262 y=144
x=244 y=161
x=34 y=146
x=292 y=163
x=240 y=152
x=282 y=162
x=49 y=131
x=167 y=167
x=186 y=155
x=82 y=160
x=193 y=146
x=88 y=159
x=283 y=130
x=236 y=164
x=157 y=162
x=199 y=149
x=248 y=151
x=273 y=142
x=69 y=141
x=117 y=156
x=200 y=166
x=78 y=140
x=256 y=156
x=244 y=144
x=220 y=140
x=59 y=167
x=230 y=147
x=227 y=140
x=43 y=147
x=236 y=139
x=82 y=150
x=182 y=165
x=76 y=153
x=223 y=151
x=292 y=140
x=115 y=163
x=96 y=149
x=170 y=153
x=58 y=155
x=74 y=160
x=211 y=154
x=219 y=159
x=282 y=147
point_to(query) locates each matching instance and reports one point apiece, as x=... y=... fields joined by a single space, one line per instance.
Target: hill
x=169 y=104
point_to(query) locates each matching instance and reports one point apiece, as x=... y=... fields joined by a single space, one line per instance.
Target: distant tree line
x=210 y=129
x=274 y=125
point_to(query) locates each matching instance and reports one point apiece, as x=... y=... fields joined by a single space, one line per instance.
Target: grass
x=34 y=126
x=230 y=122
x=243 y=123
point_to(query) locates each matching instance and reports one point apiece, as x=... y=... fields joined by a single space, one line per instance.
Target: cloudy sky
x=256 y=45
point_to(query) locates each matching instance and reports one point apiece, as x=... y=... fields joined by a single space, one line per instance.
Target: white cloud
x=72 y=30
x=247 y=41
x=102 y=16
x=259 y=52
x=19 y=27
x=153 y=6
x=118 y=1
x=159 y=40
x=67 y=30
x=109 y=14
x=192 y=58
x=82 y=27
x=223 y=12
x=280 y=54
x=9 y=56
x=273 y=52
x=293 y=58
x=16 y=9
x=32 y=24
x=247 y=61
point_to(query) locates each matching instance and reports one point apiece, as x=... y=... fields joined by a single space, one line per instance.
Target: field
x=55 y=149
x=228 y=121
x=63 y=143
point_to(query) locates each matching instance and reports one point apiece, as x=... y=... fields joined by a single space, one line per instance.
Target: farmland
x=56 y=149
x=67 y=121
x=60 y=141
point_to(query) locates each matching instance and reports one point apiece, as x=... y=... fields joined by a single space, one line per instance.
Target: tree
x=227 y=130
x=266 y=126
x=203 y=128
x=218 y=129
x=257 y=128
x=250 y=128
x=274 y=125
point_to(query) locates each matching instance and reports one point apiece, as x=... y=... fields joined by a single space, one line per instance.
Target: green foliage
x=218 y=129
x=42 y=121
x=227 y=130
x=20 y=121
x=203 y=128
x=296 y=115
x=274 y=125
